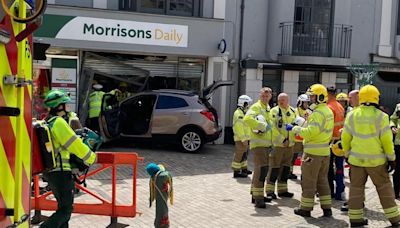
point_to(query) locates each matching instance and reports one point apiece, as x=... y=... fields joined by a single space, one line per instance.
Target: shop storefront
x=112 y=47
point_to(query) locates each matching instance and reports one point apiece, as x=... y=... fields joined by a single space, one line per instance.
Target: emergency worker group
x=328 y=130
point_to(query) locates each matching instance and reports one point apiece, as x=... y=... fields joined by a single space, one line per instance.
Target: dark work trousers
x=396 y=174
x=62 y=185
x=336 y=174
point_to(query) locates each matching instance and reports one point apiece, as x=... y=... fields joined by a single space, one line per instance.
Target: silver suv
x=177 y=116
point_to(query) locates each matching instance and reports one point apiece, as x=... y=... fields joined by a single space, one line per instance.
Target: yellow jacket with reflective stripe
x=279 y=133
x=240 y=130
x=259 y=137
x=367 y=138
x=95 y=103
x=318 y=133
x=66 y=142
x=395 y=122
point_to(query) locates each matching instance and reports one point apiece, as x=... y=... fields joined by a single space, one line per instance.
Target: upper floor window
x=189 y=8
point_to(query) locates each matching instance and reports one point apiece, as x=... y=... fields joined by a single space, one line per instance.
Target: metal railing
x=323 y=40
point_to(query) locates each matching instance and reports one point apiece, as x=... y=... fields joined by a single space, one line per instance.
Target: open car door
x=110 y=116
x=207 y=93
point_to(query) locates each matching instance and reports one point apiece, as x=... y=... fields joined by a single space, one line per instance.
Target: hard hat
x=342 y=97
x=320 y=91
x=244 y=99
x=303 y=98
x=123 y=84
x=299 y=121
x=97 y=86
x=369 y=94
x=337 y=149
x=56 y=97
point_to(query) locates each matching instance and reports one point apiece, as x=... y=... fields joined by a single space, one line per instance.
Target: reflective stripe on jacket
x=240 y=130
x=279 y=118
x=259 y=136
x=95 y=99
x=338 y=114
x=367 y=138
x=395 y=122
x=66 y=142
x=318 y=133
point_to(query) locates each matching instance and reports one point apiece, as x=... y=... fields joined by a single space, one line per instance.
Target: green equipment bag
x=92 y=140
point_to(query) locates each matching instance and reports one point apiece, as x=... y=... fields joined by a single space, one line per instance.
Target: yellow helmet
x=369 y=94
x=337 y=149
x=320 y=91
x=342 y=97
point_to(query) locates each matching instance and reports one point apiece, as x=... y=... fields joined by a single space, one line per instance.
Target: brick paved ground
x=206 y=195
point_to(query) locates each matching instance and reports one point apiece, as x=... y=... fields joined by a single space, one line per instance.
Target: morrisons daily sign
x=121 y=31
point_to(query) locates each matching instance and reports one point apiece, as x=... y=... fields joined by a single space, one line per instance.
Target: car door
x=109 y=116
x=136 y=115
x=170 y=114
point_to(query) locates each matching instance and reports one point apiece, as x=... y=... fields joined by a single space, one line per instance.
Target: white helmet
x=302 y=98
x=243 y=100
x=261 y=118
x=97 y=86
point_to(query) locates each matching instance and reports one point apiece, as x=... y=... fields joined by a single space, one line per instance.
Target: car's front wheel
x=191 y=140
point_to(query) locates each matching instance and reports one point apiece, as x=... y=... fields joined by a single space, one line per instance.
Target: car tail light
x=208 y=115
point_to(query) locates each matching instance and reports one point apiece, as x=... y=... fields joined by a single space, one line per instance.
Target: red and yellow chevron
x=15 y=132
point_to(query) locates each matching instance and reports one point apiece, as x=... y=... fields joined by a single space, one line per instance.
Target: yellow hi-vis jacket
x=259 y=136
x=301 y=113
x=240 y=130
x=95 y=99
x=395 y=122
x=318 y=133
x=279 y=118
x=367 y=138
x=66 y=142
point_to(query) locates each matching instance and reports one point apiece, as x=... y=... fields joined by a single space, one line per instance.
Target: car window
x=168 y=102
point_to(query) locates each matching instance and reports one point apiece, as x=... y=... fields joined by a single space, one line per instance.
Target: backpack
x=43 y=151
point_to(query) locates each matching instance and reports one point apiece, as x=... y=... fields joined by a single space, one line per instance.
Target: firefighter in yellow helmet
x=241 y=136
x=367 y=142
x=283 y=141
x=315 y=162
x=258 y=119
x=343 y=99
x=66 y=143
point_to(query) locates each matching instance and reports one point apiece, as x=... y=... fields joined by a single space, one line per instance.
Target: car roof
x=175 y=92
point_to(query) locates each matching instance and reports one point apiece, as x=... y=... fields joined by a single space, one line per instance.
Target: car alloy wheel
x=191 y=141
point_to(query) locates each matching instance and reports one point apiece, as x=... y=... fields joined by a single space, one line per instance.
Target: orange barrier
x=106 y=207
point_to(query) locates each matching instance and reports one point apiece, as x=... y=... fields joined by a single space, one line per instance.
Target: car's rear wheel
x=191 y=140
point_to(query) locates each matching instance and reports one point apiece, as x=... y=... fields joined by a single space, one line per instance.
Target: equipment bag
x=44 y=153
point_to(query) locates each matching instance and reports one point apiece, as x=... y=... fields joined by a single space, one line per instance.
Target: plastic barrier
x=106 y=207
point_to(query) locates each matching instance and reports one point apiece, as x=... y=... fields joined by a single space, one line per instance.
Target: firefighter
x=302 y=110
x=336 y=164
x=123 y=88
x=283 y=141
x=353 y=99
x=315 y=162
x=367 y=142
x=343 y=100
x=66 y=142
x=258 y=119
x=95 y=100
x=241 y=136
x=395 y=125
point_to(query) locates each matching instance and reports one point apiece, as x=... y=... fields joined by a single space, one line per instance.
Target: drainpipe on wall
x=242 y=6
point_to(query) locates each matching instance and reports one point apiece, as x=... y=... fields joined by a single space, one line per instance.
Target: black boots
x=259 y=203
x=266 y=199
x=327 y=212
x=302 y=212
x=286 y=194
x=359 y=224
x=247 y=171
x=272 y=196
x=239 y=174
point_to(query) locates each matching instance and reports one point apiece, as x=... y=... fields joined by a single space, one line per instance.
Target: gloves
x=391 y=166
x=289 y=127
